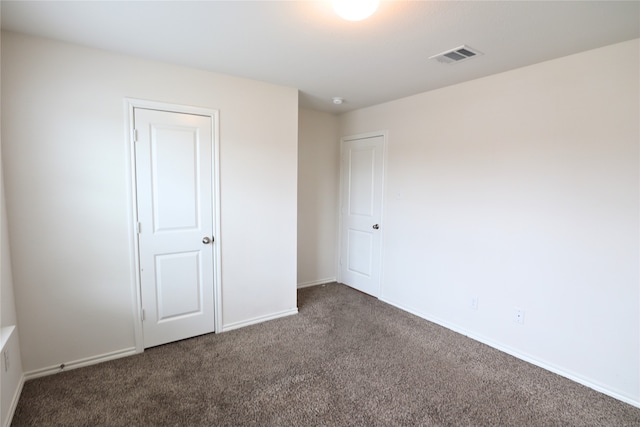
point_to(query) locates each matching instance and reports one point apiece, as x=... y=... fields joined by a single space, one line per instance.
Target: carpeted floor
x=346 y=359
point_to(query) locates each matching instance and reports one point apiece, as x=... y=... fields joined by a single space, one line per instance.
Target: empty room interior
x=199 y=169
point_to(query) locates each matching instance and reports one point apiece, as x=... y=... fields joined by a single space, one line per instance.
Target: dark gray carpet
x=345 y=360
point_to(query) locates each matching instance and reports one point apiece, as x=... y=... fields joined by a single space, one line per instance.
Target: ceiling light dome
x=355 y=10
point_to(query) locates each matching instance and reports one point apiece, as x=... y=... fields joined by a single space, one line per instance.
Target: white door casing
x=176 y=212
x=361 y=183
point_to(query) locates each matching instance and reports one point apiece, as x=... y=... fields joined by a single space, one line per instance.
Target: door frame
x=342 y=183
x=136 y=286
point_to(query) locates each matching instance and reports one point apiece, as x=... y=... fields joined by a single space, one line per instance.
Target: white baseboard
x=517 y=354
x=93 y=360
x=256 y=320
x=14 y=402
x=316 y=282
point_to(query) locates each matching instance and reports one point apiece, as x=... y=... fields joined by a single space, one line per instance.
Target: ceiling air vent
x=461 y=53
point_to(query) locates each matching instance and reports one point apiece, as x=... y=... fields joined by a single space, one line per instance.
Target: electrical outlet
x=518 y=315
x=473 y=303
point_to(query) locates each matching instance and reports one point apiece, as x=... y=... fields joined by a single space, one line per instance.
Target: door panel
x=178 y=285
x=174 y=155
x=175 y=211
x=362 y=169
x=359 y=256
x=361 y=180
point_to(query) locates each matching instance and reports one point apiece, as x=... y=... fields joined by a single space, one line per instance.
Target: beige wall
x=7 y=308
x=11 y=375
x=67 y=189
x=318 y=174
x=522 y=190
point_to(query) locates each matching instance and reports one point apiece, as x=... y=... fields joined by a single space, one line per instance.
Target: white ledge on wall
x=12 y=378
x=5 y=333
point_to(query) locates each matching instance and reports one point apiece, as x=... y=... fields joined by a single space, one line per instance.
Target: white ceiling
x=303 y=44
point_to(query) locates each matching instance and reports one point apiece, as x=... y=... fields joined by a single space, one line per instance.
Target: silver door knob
x=376 y=226
x=206 y=240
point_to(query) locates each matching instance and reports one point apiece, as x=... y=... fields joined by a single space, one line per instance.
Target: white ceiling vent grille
x=459 y=54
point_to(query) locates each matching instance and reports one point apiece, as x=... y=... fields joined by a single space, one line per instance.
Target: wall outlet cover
x=518 y=315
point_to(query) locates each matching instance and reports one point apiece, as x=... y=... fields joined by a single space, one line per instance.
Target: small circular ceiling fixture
x=337 y=100
x=355 y=10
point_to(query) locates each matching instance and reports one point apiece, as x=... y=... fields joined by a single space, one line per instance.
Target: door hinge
x=139 y=227
x=143 y=315
x=135 y=135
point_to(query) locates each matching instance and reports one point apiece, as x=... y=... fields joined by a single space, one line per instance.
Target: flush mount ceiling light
x=355 y=10
x=337 y=100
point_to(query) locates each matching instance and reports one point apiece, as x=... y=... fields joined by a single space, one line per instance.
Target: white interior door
x=174 y=179
x=361 y=212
